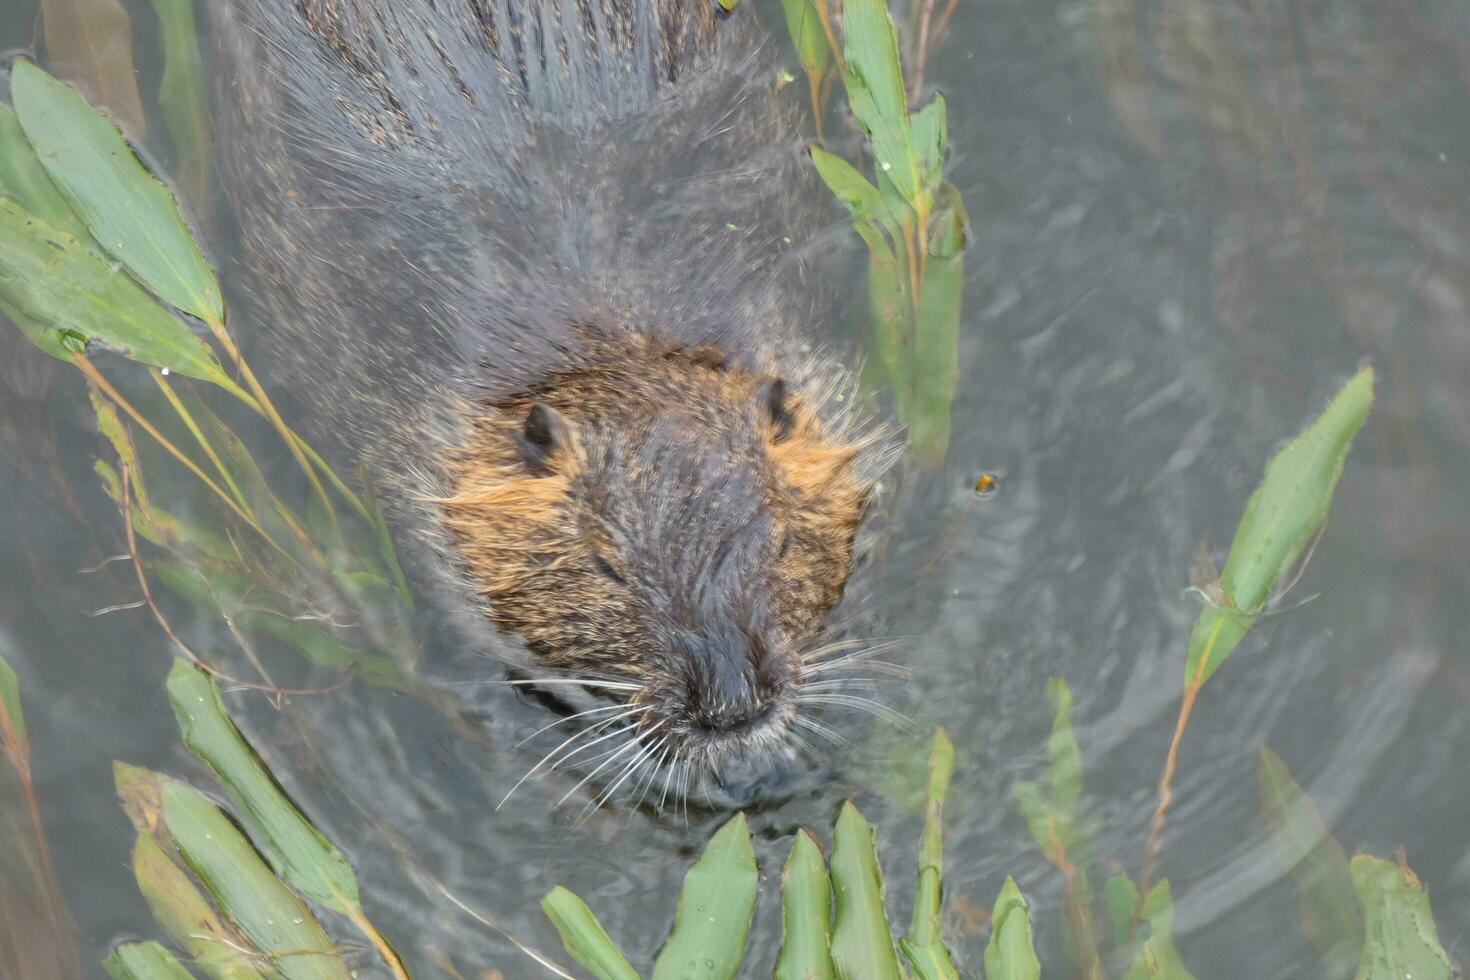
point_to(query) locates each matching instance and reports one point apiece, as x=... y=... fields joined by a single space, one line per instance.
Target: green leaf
x=144 y=961
x=1009 y=955
x=183 y=97
x=1051 y=815
x=186 y=915
x=1157 y=959
x=851 y=187
x=936 y=369
x=129 y=211
x=12 y=719
x=23 y=178
x=1281 y=518
x=807 y=36
x=875 y=91
x=252 y=899
x=928 y=129
x=1120 y=895
x=1400 y=940
x=55 y=279
x=1331 y=916
x=299 y=852
x=924 y=947
x=583 y=936
x=806 y=914
x=862 y=945
x=89 y=43
x=715 y=909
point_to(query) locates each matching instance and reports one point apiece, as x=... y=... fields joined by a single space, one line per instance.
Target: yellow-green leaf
x=144 y=961
x=1009 y=955
x=127 y=209
x=806 y=914
x=715 y=908
x=924 y=946
x=583 y=936
x=1400 y=938
x=862 y=945
x=12 y=720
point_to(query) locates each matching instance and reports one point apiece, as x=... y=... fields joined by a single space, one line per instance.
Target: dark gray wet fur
x=430 y=195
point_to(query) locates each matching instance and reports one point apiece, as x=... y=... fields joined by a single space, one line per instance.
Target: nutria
x=541 y=263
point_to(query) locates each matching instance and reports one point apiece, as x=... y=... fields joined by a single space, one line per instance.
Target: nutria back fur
x=540 y=264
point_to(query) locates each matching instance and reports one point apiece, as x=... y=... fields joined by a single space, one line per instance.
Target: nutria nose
x=730 y=679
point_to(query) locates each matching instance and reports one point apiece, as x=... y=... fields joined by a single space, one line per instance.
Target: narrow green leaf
x=862 y=944
x=60 y=282
x=144 y=961
x=1066 y=754
x=806 y=914
x=875 y=91
x=807 y=36
x=23 y=178
x=936 y=369
x=1331 y=916
x=183 y=97
x=583 y=936
x=1010 y=955
x=716 y=905
x=127 y=209
x=1157 y=959
x=851 y=187
x=1281 y=518
x=186 y=915
x=248 y=894
x=12 y=720
x=299 y=852
x=1120 y=895
x=1401 y=940
x=929 y=131
x=924 y=946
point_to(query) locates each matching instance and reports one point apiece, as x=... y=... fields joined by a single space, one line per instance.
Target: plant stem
x=194 y=430
x=387 y=952
x=1079 y=916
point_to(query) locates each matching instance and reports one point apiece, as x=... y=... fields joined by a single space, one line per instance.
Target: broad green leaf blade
x=248 y=894
x=144 y=961
x=186 y=915
x=299 y=852
x=23 y=178
x=583 y=936
x=1157 y=959
x=60 y=282
x=12 y=720
x=715 y=909
x=875 y=91
x=1400 y=937
x=1009 y=955
x=862 y=945
x=1280 y=520
x=1331 y=916
x=851 y=187
x=183 y=95
x=126 y=208
x=807 y=36
x=806 y=914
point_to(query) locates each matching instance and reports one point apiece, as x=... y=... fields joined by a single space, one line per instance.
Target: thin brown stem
x=1078 y=914
x=189 y=423
x=388 y=953
x=921 y=53
x=825 y=15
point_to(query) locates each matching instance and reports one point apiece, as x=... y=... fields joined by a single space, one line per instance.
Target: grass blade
x=264 y=911
x=862 y=945
x=79 y=296
x=716 y=905
x=806 y=914
x=1400 y=938
x=1281 y=518
x=299 y=852
x=1331 y=915
x=583 y=936
x=186 y=915
x=127 y=209
x=1009 y=955
x=144 y=961
x=924 y=947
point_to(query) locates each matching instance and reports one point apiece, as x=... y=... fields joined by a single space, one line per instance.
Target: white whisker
x=590 y=730
x=563 y=721
x=632 y=743
x=866 y=705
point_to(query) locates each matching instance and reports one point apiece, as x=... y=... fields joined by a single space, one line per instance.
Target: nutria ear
x=544 y=435
x=774 y=398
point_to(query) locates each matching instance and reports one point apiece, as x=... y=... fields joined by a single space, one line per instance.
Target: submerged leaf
x=1281 y=518
x=806 y=914
x=12 y=721
x=299 y=852
x=90 y=44
x=1010 y=955
x=23 y=178
x=1401 y=940
x=127 y=209
x=60 y=282
x=1330 y=913
x=862 y=945
x=715 y=908
x=183 y=95
x=1157 y=958
x=583 y=936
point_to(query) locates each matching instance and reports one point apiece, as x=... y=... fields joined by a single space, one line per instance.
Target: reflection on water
x=1192 y=220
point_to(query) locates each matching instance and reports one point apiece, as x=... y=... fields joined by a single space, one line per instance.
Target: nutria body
x=540 y=263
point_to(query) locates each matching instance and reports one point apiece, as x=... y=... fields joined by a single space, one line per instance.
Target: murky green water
x=1191 y=222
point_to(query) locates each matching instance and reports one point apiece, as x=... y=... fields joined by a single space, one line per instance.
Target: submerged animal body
x=539 y=263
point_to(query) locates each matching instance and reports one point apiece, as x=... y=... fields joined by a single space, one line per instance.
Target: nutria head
x=671 y=525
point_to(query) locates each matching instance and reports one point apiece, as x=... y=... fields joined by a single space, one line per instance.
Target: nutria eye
x=606 y=568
